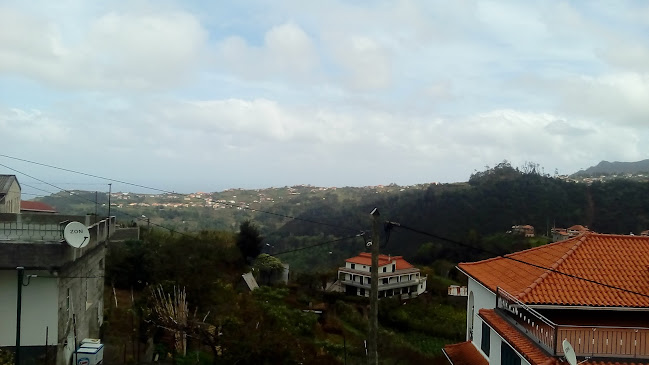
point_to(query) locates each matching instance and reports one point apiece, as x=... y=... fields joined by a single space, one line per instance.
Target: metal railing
x=529 y=321
x=592 y=341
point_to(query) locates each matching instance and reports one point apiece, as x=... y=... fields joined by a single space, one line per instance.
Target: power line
x=92 y=201
x=171 y=192
x=317 y=244
x=399 y=225
x=159 y=225
x=85 y=174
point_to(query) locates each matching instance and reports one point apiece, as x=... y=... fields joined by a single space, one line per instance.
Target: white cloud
x=120 y=50
x=365 y=61
x=619 y=98
x=287 y=52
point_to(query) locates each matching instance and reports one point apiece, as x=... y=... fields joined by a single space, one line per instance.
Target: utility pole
x=110 y=191
x=373 y=358
x=19 y=305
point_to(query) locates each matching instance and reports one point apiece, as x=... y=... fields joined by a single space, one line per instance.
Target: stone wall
x=81 y=295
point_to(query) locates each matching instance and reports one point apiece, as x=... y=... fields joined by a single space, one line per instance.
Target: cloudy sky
x=193 y=95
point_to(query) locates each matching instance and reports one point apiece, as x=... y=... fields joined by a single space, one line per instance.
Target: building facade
x=591 y=290
x=9 y=194
x=62 y=289
x=396 y=277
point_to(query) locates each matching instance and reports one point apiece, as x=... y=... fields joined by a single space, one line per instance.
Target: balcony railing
x=592 y=341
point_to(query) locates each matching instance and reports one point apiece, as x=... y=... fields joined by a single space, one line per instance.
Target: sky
x=208 y=95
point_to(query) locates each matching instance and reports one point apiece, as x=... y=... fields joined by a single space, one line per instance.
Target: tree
x=249 y=240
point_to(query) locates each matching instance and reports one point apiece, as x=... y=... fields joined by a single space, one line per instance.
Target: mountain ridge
x=616 y=167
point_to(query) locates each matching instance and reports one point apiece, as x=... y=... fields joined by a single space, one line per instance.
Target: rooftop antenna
x=76 y=234
x=569 y=352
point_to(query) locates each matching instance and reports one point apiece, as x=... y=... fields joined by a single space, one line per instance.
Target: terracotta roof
x=578 y=227
x=529 y=350
x=365 y=258
x=517 y=339
x=464 y=353
x=616 y=260
x=36 y=207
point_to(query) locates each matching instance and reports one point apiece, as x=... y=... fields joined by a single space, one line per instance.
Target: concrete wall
x=39 y=308
x=80 y=297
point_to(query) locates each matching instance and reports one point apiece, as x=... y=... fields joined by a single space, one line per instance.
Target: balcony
x=401 y=284
x=588 y=341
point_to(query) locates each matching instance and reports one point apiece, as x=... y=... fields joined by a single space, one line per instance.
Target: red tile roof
x=517 y=339
x=464 y=353
x=529 y=350
x=32 y=206
x=365 y=258
x=616 y=260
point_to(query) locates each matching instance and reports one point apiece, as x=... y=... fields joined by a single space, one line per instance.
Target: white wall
x=494 y=351
x=39 y=309
x=482 y=298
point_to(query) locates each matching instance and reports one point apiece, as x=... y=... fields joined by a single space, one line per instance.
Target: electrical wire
x=169 y=192
x=317 y=244
x=92 y=201
x=399 y=225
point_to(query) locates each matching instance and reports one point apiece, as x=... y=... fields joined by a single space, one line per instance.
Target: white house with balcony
x=396 y=277
x=592 y=290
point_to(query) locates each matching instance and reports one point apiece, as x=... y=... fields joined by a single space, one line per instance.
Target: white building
x=396 y=276
x=522 y=306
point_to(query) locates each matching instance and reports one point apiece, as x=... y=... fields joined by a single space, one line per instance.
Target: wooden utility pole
x=373 y=356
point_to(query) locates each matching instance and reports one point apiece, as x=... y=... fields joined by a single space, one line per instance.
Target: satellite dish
x=569 y=353
x=76 y=234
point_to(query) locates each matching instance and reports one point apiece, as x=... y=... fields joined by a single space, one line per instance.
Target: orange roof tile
x=616 y=260
x=517 y=339
x=365 y=258
x=464 y=353
x=532 y=353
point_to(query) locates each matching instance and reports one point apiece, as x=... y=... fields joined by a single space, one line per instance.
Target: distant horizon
x=137 y=190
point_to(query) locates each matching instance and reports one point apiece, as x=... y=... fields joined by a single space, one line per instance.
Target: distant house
x=591 y=290
x=644 y=233
x=560 y=234
x=396 y=277
x=524 y=230
x=9 y=194
x=36 y=207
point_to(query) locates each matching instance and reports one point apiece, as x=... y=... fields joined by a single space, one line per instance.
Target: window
x=353 y=266
x=394 y=267
x=385 y=269
x=486 y=340
x=508 y=356
x=362 y=292
x=385 y=281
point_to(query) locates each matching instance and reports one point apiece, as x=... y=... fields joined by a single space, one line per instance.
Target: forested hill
x=490 y=203
x=608 y=168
